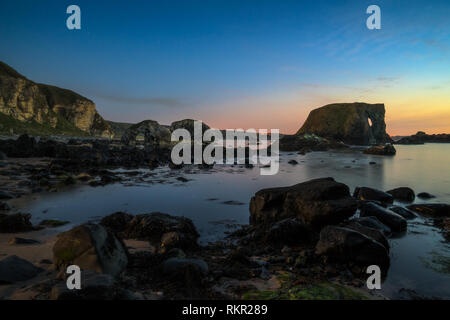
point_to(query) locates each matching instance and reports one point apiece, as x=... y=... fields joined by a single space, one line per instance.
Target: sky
x=239 y=64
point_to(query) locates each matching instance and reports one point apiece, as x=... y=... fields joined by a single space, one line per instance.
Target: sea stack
x=352 y=123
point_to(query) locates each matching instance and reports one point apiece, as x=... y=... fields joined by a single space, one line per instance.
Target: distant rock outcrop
x=187 y=124
x=353 y=123
x=55 y=108
x=154 y=133
x=421 y=138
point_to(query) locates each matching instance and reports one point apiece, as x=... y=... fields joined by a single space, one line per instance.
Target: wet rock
x=16 y=240
x=3 y=156
x=315 y=203
x=116 y=222
x=346 y=245
x=425 y=195
x=405 y=213
x=366 y=193
x=288 y=232
x=374 y=234
x=153 y=226
x=4 y=206
x=13 y=223
x=394 y=221
x=431 y=209
x=14 y=269
x=403 y=194
x=383 y=150
x=293 y=162
x=91 y=247
x=374 y=223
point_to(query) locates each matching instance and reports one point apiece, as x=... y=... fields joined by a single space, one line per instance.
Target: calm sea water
x=420 y=259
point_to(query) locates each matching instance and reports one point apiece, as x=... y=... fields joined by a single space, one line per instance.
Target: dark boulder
x=366 y=193
x=288 y=232
x=315 y=203
x=347 y=245
x=155 y=227
x=14 y=269
x=403 y=194
x=13 y=223
x=382 y=150
x=4 y=206
x=425 y=195
x=374 y=234
x=431 y=209
x=116 y=222
x=394 y=221
x=405 y=213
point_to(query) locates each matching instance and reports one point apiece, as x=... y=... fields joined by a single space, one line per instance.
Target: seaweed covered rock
x=91 y=247
x=315 y=203
x=353 y=123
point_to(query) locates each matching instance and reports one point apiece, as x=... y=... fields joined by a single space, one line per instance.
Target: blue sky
x=237 y=63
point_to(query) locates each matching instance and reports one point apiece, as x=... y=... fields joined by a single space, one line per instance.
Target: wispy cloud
x=151 y=101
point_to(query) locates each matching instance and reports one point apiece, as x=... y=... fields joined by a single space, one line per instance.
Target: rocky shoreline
x=313 y=240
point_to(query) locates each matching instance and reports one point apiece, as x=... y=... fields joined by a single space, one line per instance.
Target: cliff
x=60 y=111
x=353 y=123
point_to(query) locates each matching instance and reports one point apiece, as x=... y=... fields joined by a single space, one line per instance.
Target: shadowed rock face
x=353 y=123
x=25 y=100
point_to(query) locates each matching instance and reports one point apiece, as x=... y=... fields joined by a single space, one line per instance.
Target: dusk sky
x=239 y=64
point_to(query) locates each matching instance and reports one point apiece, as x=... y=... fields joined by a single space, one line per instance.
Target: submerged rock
x=91 y=247
x=366 y=193
x=315 y=203
x=394 y=221
x=403 y=194
x=346 y=245
x=14 y=269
